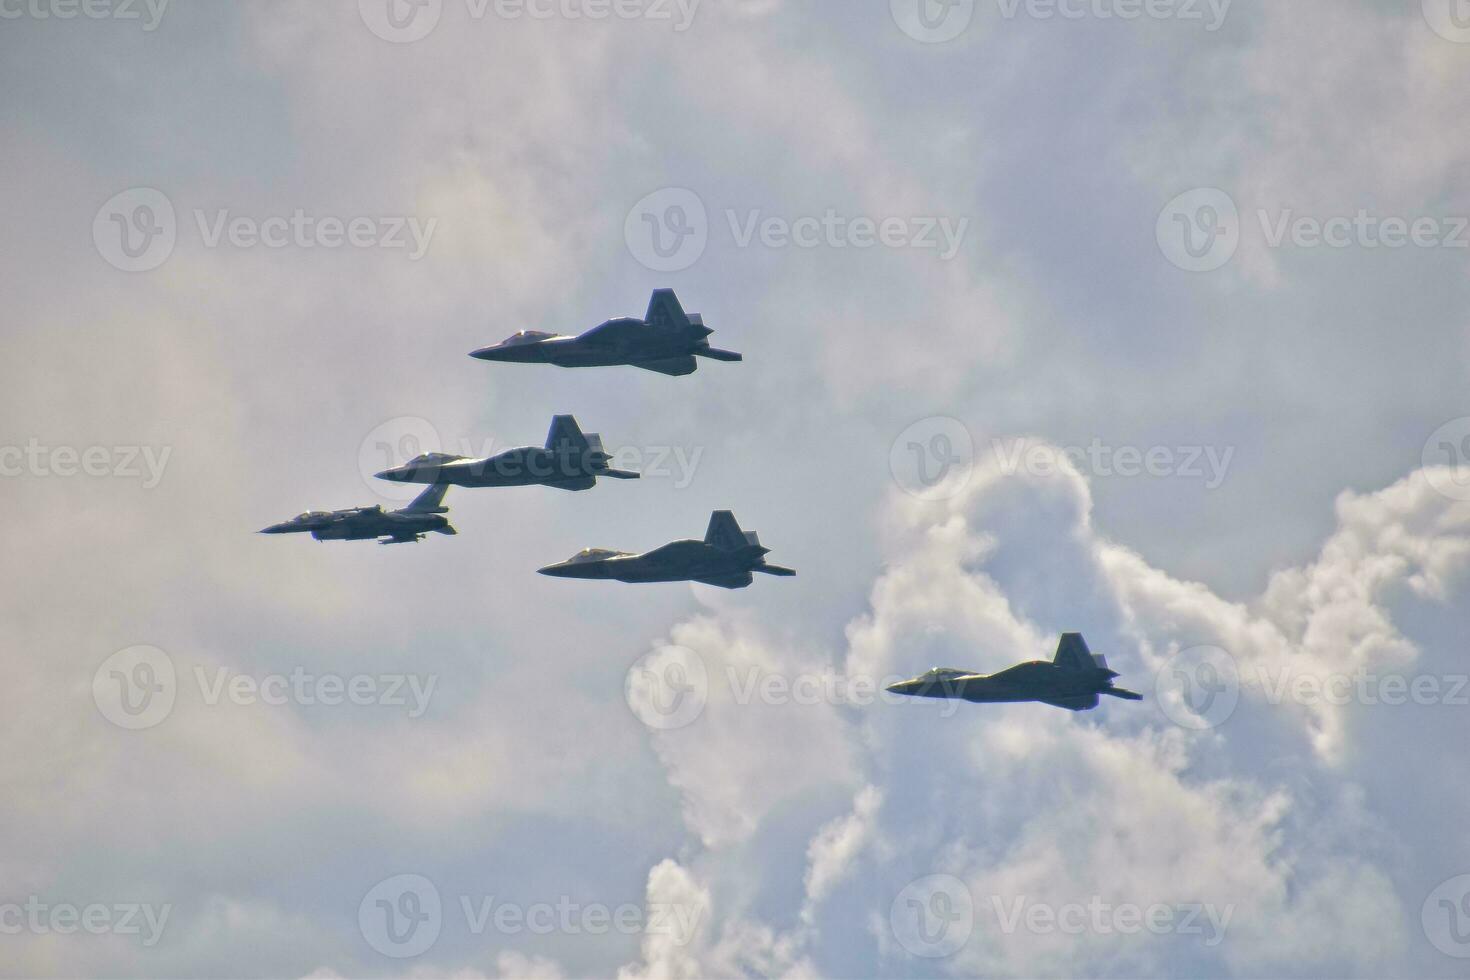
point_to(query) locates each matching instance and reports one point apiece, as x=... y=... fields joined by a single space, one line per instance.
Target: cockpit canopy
x=527 y=337
x=944 y=673
x=313 y=515
x=594 y=554
x=424 y=459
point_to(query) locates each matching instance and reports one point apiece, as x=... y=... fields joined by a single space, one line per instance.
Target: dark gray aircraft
x=1073 y=680
x=423 y=515
x=666 y=341
x=725 y=558
x=570 y=461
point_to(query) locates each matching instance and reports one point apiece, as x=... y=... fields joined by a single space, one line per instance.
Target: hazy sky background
x=1132 y=275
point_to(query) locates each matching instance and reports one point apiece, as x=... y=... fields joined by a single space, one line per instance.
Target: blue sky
x=1145 y=320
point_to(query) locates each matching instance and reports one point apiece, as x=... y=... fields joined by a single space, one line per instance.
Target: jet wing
x=735 y=580
x=622 y=334
x=673 y=366
x=1082 y=702
x=580 y=483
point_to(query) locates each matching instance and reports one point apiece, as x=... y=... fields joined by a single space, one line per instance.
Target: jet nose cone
x=555 y=571
x=486 y=353
x=399 y=474
x=902 y=687
x=275 y=529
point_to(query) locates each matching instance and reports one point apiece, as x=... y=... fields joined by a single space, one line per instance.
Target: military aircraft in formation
x=424 y=514
x=569 y=461
x=666 y=340
x=1072 y=680
x=726 y=557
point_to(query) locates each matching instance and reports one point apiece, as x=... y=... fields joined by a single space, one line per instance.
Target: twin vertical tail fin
x=582 y=452
x=665 y=312
x=431 y=501
x=1072 y=653
x=724 y=533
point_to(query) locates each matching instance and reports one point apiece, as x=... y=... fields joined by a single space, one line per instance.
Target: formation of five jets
x=668 y=341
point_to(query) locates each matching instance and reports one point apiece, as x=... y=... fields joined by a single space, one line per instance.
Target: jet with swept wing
x=666 y=340
x=424 y=514
x=570 y=460
x=1072 y=680
x=726 y=558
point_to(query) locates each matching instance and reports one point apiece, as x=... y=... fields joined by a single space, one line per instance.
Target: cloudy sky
x=1143 y=319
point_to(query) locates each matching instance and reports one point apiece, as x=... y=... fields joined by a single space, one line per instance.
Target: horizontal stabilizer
x=1118 y=692
x=715 y=354
x=620 y=474
x=775 y=570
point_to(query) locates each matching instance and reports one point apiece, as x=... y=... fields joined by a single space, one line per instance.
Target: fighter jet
x=666 y=341
x=423 y=515
x=725 y=558
x=570 y=461
x=1073 y=680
